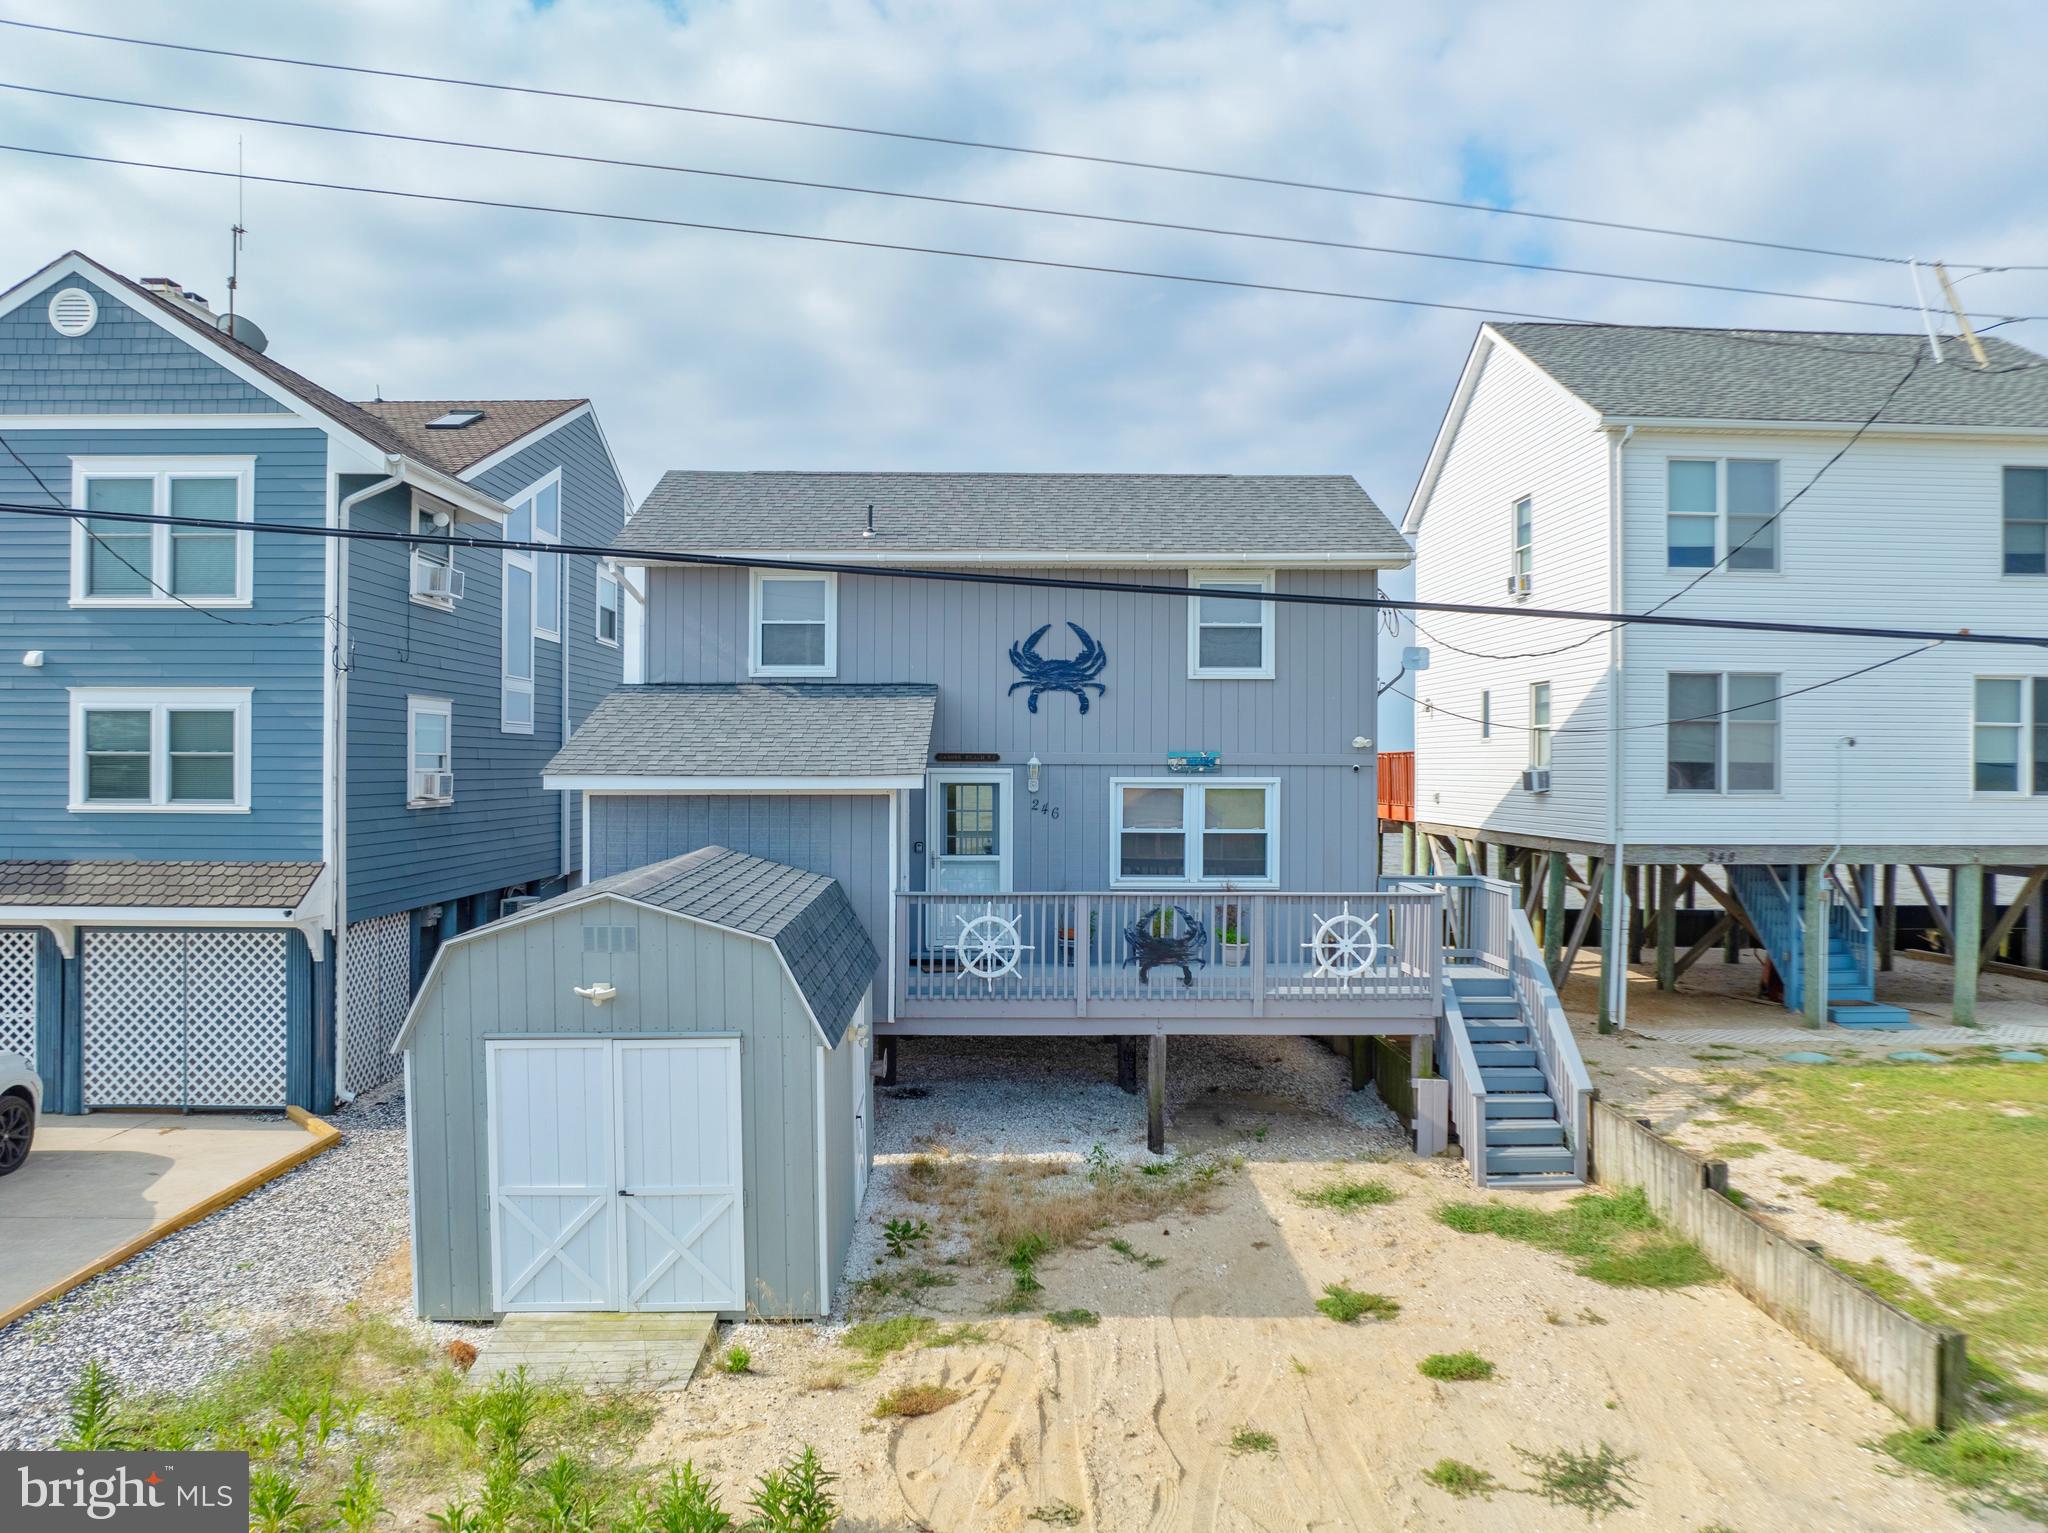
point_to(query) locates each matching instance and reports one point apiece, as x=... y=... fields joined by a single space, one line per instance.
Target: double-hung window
x=1522 y=559
x=794 y=624
x=2026 y=521
x=142 y=564
x=1721 y=732
x=182 y=749
x=2009 y=735
x=1194 y=833
x=1230 y=636
x=1721 y=511
x=1539 y=726
x=429 y=752
x=547 y=568
x=608 y=607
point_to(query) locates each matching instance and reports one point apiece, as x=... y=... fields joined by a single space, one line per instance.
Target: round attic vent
x=73 y=311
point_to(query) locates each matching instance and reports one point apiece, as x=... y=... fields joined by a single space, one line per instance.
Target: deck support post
x=1639 y=892
x=1361 y=1062
x=1155 y=1095
x=1613 y=933
x=1667 y=927
x=1422 y=1057
x=1408 y=850
x=1127 y=1066
x=1887 y=916
x=1464 y=860
x=1966 y=890
x=1553 y=910
x=1815 y=963
x=2032 y=942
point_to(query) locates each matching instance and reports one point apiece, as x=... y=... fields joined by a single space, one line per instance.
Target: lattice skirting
x=379 y=981
x=184 y=1019
x=18 y=994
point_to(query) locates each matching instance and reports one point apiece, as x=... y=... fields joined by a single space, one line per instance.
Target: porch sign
x=1195 y=762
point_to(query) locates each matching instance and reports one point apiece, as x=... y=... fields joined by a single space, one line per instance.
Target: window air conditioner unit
x=1518 y=585
x=439 y=581
x=433 y=787
x=1537 y=779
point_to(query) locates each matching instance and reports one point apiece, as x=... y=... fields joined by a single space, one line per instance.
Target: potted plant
x=1234 y=939
x=1067 y=939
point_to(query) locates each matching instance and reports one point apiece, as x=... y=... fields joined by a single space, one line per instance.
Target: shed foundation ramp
x=644 y=1351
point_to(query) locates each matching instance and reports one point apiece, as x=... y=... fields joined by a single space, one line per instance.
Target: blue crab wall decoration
x=1076 y=675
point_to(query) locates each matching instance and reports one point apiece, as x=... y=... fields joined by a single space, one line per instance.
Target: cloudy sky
x=1865 y=126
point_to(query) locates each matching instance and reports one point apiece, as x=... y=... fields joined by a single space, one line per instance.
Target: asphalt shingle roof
x=806 y=915
x=1222 y=516
x=504 y=422
x=208 y=885
x=754 y=729
x=1650 y=371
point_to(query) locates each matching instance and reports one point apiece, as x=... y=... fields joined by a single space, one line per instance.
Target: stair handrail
x=1468 y=1090
x=1550 y=1033
x=1840 y=896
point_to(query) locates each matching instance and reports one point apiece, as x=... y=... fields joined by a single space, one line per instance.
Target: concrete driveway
x=98 y=1187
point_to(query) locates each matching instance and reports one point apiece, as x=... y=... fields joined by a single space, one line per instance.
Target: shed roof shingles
x=754 y=729
x=1667 y=372
x=1218 y=516
x=157 y=885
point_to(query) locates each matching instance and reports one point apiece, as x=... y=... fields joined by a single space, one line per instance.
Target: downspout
x=337 y=873
x=568 y=643
x=1614 y=929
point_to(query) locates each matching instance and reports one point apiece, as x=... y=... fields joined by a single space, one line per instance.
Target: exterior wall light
x=599 y=992
x=1031 y=774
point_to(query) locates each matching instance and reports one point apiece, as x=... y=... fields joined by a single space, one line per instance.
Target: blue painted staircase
x=1775 y=900
x=1525 y=1137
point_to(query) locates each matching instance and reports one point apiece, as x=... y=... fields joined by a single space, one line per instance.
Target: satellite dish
x=245 y=330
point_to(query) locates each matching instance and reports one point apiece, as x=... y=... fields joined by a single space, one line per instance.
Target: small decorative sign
x=966 y=758
x=1194 y=761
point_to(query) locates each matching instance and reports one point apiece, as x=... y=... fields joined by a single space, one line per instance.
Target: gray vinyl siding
x=844 y=836
x=125 y=365
x=276 y=648
x=503 y=828
x=515 y=980
x=1296 y=728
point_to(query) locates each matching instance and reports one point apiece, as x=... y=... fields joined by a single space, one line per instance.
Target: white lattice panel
x=18 y=994
x=379 y=980
x=184 y=1019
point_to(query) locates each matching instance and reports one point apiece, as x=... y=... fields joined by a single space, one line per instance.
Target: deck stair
x=1775 y=900
x=1525 y=1136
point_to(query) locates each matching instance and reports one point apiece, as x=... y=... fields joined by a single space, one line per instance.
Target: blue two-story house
x=249 y=779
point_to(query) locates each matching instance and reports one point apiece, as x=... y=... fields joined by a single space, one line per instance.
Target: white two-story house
x=1816 y=478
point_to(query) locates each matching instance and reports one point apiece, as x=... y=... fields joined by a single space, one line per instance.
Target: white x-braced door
x=615 y=1174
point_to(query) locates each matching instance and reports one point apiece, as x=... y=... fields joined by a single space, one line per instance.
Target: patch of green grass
x=1132 y=1254
x=1461 y=1479
x=1346 y=1305
x=1984 y=1466
x=1596 y=1483
x=962 y=1335
x=1074 y=1319
x=1736 y=1196
x=916 y=1400
x=1347 y=1196
x=875 y=1340
x=1455 y=1367
x=1741 y=1149
x=1612 y=1238
x=1252 y=1440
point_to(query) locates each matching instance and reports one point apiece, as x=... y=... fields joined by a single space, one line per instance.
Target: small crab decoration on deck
x=1076 y=675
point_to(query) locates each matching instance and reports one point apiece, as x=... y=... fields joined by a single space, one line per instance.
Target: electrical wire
x=991 y=146
x=1120 y=220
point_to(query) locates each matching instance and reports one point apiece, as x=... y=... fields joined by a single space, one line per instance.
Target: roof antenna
x=1920 y=297
x=235 y=241
x=870 y=532
x=1948 y=290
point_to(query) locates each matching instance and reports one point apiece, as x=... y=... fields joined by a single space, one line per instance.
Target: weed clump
x=737 y=1360
x=1988 y=1469
x=1596 y=1483
x=1346 y=1305
x=1133 y=1255
x=916 y=1400
x=1056 y=1514
x=1612 y=1238
x=1074 y=1319
x=1252 y=1440
x=1347 y=1195
x=1455 y=1367
x=877 y=1339
x=1461 y=1479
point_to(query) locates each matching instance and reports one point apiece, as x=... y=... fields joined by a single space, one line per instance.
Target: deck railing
x=1397 y=785
x=1169 y=953
x=1460 y=1067
x=1476 y=917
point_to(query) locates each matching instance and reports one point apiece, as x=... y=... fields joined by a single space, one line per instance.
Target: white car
x=21 y=1098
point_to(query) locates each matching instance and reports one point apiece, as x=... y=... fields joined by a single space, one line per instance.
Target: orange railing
x=1397 y=785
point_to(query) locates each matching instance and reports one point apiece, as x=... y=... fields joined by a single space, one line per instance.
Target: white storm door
x=968 y=839
x=681 y=1219
x=552 y=1186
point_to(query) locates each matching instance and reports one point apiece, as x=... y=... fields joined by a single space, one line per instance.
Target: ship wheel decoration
x=989 y=946
x=1345 y=946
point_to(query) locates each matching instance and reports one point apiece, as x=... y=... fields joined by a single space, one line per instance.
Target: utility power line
x=1120 y=220
x=1043 y=582
x=991 y=146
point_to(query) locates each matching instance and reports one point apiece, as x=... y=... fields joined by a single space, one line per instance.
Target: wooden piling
x=1887 y=916
x=1667 y=927
x=1155 y=1095
x=1816 y=935
x=1553 y=911
x=1966 y=892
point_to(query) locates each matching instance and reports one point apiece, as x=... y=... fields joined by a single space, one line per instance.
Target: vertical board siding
x=1520 y=435
x=517 y=980
x=503 y=828
x=275 y=647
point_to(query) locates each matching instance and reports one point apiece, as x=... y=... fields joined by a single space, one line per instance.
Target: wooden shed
x=652 y=1093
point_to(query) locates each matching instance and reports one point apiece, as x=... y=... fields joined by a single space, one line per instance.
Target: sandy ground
x=1127 y=1425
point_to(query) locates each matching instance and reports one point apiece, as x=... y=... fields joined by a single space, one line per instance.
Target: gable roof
x=779 y=729
x=504 y=422
x=1653 y=372
x=806 y=916
x=1036 y=518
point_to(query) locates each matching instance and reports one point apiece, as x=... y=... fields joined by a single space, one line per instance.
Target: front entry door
x=968 y=839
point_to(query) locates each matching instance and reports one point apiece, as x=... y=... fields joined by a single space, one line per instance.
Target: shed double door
x=616 y=1174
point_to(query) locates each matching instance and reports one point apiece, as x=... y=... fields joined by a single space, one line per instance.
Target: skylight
x=455 y=420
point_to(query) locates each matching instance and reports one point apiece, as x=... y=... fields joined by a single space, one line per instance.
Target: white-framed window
x=162 y=749
x=537 y=518
x=2009 y=735
x=1172 y=831
x=608 y=606
x=793 y=624
x=1230 y=637
x=432 y=564
x=1486 y=715
x=1721 y=734
x=142 y=564
x=1721 y=511
x=1522 y=558
x=429 y=752
x=2025 y=546
x=1539 y=725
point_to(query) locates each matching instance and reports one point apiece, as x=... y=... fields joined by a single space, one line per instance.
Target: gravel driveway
x=189 y=1304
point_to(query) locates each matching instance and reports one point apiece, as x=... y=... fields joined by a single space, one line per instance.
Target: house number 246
x=1045 y=807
